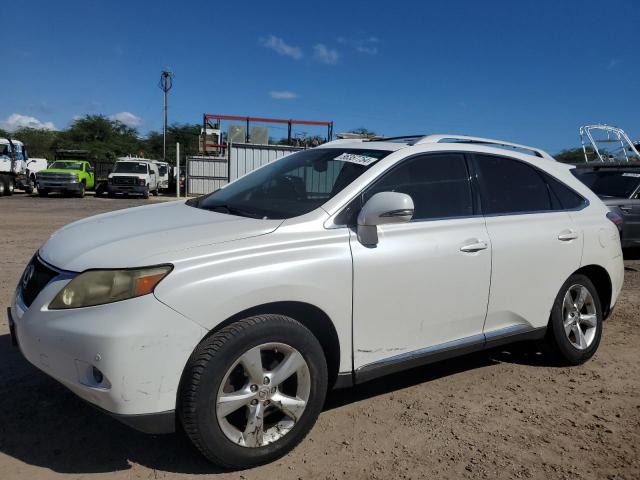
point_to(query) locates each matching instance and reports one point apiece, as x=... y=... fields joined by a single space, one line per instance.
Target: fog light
x=97 y=376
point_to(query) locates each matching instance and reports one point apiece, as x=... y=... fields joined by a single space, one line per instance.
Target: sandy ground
x=507 y=413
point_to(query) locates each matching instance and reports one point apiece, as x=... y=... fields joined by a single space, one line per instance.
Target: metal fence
x=206 y=174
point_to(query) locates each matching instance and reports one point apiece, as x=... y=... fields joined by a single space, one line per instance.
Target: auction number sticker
x=357 y=159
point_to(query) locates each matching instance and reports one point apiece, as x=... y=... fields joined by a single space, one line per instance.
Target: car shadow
x=632 y=253
x=45 y=425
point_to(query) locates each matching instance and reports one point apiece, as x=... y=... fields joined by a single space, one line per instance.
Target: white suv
x=233 y=313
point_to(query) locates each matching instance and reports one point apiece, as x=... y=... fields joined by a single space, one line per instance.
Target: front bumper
x=58 y=185
x=138 y=189
x=140 y=346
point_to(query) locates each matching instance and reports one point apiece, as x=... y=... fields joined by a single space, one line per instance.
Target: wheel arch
x=311 y=316
x=602 y=281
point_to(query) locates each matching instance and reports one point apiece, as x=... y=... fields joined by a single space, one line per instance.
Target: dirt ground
x=506 y=413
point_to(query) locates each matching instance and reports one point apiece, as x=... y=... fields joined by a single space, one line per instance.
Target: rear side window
x=568 y=199
x=439 y=185
x=510 y=186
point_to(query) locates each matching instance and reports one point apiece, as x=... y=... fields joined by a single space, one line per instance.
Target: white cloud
x=613 y=63
x=16 y=120
x=368 y=50
x=325 y=55
x=279 y=46
x=128 y=118
x=283 y=95
x=364 y=45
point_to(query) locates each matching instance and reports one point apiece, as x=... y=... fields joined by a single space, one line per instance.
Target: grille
x=125 y=180
x=33 y=283
x=60 y=177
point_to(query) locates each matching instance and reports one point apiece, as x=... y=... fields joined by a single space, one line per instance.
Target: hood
x=126 y=238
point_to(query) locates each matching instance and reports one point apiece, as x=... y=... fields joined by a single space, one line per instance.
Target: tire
x=43 y=192
x=28 y=190
x=226 y=438
x=575 y=327
x=156 y=192
x=145 y=195
x=9 y=185
x=82 y=190
x=1 y=186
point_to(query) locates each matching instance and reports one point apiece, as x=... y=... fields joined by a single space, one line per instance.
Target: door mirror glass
x=383 y=208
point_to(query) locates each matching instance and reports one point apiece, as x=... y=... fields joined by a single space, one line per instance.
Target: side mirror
x=381 y=209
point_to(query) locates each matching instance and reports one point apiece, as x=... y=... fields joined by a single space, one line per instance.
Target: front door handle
x=566 y=235
x=625 y=209
x=474 y=247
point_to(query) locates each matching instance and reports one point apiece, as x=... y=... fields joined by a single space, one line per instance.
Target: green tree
x=573 y=155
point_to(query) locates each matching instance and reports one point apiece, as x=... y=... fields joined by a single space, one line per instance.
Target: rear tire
x=575 y=326
x=241 y=364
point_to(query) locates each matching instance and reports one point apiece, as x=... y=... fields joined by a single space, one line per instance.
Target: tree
x=39 y=142
x=365 y=132
x=573 y=155
x=188 y=134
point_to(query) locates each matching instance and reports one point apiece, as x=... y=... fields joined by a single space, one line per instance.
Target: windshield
x=130 y=167
x=162 y=170
x=67 y=165
x=607 y=183
x=293 y=185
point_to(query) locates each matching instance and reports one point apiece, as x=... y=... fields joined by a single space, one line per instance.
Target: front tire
x=575 y=327
x=145 y=195
x=9 y=185
x=82 y=190
x=252 y=391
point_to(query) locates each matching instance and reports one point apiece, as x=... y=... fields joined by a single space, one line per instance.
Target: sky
x=525 y=71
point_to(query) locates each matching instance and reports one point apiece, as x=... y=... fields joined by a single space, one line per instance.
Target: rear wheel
x=253 y=390
x=576 y=321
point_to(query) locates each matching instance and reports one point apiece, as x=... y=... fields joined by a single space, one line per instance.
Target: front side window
x=293 y=185
x=510 y=186
x=439 y=185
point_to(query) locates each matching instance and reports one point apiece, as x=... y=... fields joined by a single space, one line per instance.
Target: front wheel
x=575 y=327
x=145 y=194
x=9 y=185
x=252 y=391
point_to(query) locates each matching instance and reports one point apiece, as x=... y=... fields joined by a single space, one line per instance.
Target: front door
x=425 y=286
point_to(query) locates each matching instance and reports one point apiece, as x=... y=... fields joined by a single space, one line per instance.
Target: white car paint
x=415 y=290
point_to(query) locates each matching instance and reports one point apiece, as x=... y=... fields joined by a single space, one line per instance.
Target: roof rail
x=398 y=139
x=483 y=141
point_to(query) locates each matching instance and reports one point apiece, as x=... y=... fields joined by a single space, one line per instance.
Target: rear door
x=536 y=245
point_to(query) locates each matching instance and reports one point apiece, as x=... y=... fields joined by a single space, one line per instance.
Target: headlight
x=75 y=177
x=97 y=287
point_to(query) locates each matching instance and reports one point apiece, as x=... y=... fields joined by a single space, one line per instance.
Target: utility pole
x=165 y=84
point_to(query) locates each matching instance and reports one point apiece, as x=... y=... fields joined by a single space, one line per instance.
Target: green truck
x=70 y=173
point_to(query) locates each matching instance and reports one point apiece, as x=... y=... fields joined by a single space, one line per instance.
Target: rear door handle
x=474 y=247
x=566 y=235
x=626 y=209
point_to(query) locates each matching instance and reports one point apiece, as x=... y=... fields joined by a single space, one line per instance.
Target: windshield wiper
x=232 y=210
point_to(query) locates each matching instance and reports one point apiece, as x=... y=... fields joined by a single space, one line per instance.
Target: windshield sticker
x=357 y=159
x=634 y=175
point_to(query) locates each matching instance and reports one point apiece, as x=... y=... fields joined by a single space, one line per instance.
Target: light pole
x=165 y=84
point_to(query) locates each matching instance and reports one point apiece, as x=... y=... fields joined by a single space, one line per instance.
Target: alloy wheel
x=263 y=395
x=580 y=317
